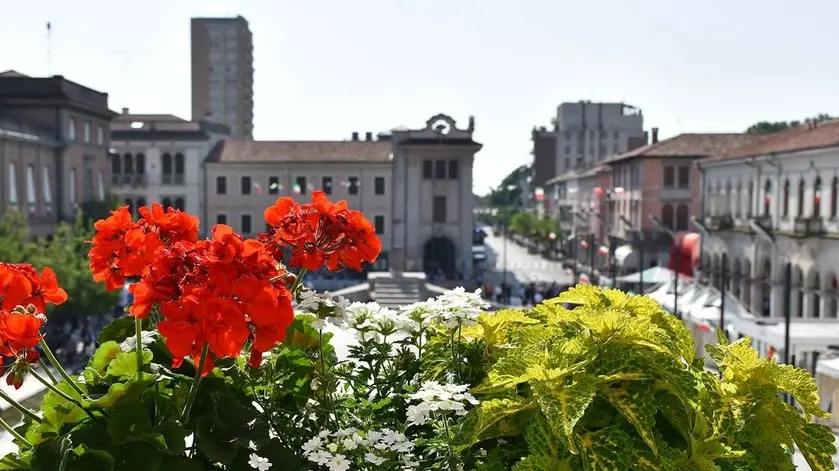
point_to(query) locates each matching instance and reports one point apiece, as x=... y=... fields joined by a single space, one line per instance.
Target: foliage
x=614 y=384
x=15 y=245
x=769 y=127
x=508 y=193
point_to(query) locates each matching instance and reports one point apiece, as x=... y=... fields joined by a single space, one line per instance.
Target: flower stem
x=46 y=369
x=23 y=410
x=61 y=371
x=14 y=433
x=298 y=280
x=55 y=389
x=138 y=332
x=455 y=361
x=193 y=389
x=452 y=464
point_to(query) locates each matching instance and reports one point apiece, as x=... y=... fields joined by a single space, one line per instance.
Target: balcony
x=720 y=222
x=138 y=180
x=173 y=178
x=808 y=226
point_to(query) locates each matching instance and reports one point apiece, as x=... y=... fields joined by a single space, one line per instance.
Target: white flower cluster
x=373 y=448
x=316 y=303
x=453 y=309
x=435 y=397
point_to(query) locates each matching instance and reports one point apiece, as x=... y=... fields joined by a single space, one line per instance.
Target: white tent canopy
x=652 y=275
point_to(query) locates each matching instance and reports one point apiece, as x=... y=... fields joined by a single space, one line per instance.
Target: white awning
x=626 y=257
x=806 y=335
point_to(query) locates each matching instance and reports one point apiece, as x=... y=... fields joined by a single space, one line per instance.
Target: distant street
x=522 y=267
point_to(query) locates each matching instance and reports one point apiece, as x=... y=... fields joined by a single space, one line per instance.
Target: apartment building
x=414 y=185
x=222 y=73
x=160 y=158
x=54 y=140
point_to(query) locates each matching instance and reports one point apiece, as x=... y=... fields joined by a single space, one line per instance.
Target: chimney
x=655 y=135
x=355 y=136
x=368 y=136
x=125 y=111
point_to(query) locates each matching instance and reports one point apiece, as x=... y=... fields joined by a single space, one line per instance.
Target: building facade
x=160 y=158
x=788 y=183
x=222 y=73
x=54 y=141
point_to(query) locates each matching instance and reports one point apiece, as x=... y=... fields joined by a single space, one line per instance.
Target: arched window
x=817 y=197
x=167 y=164
x=834 y=194
x=719 y=204
x=179 y=204
x=785 y=202
x=767 y=198
x=167 y=203
x=140 y=203
x=179 y=164
x=750 y=200
x=801 y=198
x=128 y=163
x=682 y=217
x=141 y=163
x=667 y=216
x=116 y=164
x=736 y=199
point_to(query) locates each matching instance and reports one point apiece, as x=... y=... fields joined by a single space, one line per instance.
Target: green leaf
x=482 y=422
x=137 y=456
x=14 y=461
x=125 y=364
x=99 y=362
x=127 y=391
x=565 y=404
x=608 y=449
x=180 y=463
x=174 y=435
x=816 y=443
x=84 y=458
x=117 y=331
x=128 y=422
x=214 y=445
x=635 y=401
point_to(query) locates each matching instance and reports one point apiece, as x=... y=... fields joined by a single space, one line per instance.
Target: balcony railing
x=722 y=222
x=139 y=180
x=173 y=178
x=808 y=226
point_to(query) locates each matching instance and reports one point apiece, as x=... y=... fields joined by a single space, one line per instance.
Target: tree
x=614 y=384
x=509 y=191
x=769 y=127
x=15 y=245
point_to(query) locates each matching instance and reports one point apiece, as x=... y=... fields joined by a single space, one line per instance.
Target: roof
x=574 y=174
x=12 y=73
x=233 y=151
x=690 y=145
x=800 y=138
x=153 y=122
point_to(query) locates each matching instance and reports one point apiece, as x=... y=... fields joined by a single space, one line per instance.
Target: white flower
x=349 y=444
x=315 y=303
x=434 y=397
x=375 y=459
x=259 y=463
x=318 y=324
x=320 y=457
x=453 y=309
x=312 y=445
x=338 y=463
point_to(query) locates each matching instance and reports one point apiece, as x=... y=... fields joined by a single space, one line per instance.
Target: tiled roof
x=574 y=174
x=805 y=137
x=301 y=151
x=690 y=145
x=153 y=122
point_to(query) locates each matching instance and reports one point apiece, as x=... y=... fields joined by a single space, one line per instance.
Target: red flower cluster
x=24 y=295
x=323 y=232
x=219 y=292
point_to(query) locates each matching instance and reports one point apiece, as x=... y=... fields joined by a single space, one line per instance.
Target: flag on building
x=603 y=250
x=258 y=188
x=297 y=189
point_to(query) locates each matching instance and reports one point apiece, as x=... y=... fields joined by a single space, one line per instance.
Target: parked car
x=479 y=257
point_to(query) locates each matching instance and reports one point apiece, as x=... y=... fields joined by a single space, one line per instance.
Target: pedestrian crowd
x=524 y=294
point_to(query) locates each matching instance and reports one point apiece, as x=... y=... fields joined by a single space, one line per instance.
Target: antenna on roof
x=49 y=49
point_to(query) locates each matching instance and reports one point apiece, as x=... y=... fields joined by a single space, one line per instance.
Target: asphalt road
x=522 y=267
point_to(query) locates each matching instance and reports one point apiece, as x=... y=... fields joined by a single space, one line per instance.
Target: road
x=522 y=267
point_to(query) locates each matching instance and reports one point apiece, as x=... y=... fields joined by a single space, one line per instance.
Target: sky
x=325 y=69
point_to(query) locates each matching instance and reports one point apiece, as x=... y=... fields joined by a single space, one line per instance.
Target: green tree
x=66 y=254
x=15 y=245
x=523 y=223
x=509 y=191
x=769 y=127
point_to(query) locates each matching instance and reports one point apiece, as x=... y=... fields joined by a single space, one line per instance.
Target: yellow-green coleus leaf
x=635 y=401
x=498 y=326
x=492 y=418
x=816 y=443
x=564 y=402
x=608 y=449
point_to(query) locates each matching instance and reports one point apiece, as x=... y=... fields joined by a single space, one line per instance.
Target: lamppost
x=661 y=227
x=640 y=237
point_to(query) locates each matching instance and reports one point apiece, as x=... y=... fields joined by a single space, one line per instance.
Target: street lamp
x=661 y=227
x=640 y=254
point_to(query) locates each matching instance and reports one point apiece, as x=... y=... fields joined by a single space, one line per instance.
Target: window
x=31 y=192
x=72 y=188
x=352 y=185
x=246 y=224
x=273 y=185
x=46 y=188
x=141 y=202
x=12 y=184
x=427 y=169
x=101 y=186
x=667 y=216
x=100 y=135
x=71 y=129
x=750 y=199
x=440 y=169
x=785 y=199
x=221 y=218
x=801 y=198
x=167 y=164
x=454 y=168
x=180 y=203
x=439 y=209
x=221 y=185
x=379 y=185
x=140 y=161
x=326 y=185
x=179 y=164
x=300 y=185
x=379 y=223
x=128 y=164
x=246 y=185
x=834 y=197
x=682 y=214
x=167 y=202
x=669 y=177
x=87 y=131
x=130 y=203
x=817 y=197
x=767 y=197
x=116 y=164
x=684 y=176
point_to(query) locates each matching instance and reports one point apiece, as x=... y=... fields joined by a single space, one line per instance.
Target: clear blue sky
x=327 y=68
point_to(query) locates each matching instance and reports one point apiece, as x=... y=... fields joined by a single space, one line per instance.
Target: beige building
x=414 y=185
x=160 y=158
x=54 y=139
x=222 y=73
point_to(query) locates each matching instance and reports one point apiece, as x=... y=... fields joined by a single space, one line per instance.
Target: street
x=522 y=267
